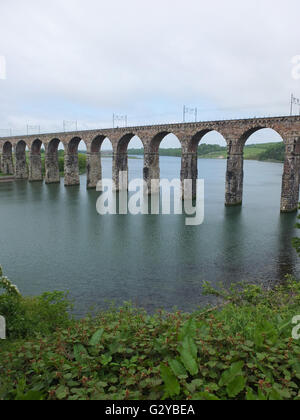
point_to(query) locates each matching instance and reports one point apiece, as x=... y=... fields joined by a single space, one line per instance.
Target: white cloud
x=85 y=59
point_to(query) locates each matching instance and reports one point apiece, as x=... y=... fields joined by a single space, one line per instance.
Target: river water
x=52 y=238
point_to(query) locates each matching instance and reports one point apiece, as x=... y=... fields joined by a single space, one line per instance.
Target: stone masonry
x=235 y=133
x=6 y=163
x=21 y=169
x=35 y=162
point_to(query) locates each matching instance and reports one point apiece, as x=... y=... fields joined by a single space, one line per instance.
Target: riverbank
x=240 y=350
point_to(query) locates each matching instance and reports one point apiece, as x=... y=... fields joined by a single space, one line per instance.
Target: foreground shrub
x=241 y=350
x=28 y=316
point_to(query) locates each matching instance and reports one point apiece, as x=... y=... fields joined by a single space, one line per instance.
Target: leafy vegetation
x=275 y=152
x=26 y=317
x=241 y=349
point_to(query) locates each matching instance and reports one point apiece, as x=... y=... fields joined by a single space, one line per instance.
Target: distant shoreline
x=264 y=152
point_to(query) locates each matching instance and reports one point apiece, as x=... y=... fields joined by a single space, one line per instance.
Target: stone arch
x=157 y=139
x=152 y=159
x=189 y=162
x=93 y=162
x=72 y=145
x=71 y=165
x=120 y=160
x=53 y=145
x=21 y=146
x=52 y=168
x=97 y=143
x=7 y=147
x=197 y=137
x=291 y=169
x=35 y=161
x=36 y=147
x=252 y=130
x=21 y=169
x=235 y=168
x=123 y=143
x=7 y=163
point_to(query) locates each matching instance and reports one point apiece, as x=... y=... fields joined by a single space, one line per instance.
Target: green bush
x=27 y=317
x=274 y=152
x=242 y=350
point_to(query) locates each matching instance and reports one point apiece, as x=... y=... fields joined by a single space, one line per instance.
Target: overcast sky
x=86 y=59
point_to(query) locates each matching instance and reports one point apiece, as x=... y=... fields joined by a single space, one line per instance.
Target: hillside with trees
x=264 y=152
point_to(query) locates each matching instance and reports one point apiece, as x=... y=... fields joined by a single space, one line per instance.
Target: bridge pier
x=290 y=179
x=71 y=169
x=35 y=167
x=52 y=175
x=21 y=169
x=93 y=169
x=7 y=164
x=152 y=172
x=189 y=171
x=234 y=175
x=120 y=170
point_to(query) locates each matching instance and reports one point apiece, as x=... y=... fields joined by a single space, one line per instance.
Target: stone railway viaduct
x=235 y=133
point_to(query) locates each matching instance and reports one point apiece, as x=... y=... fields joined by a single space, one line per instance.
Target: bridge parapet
x=285 y=126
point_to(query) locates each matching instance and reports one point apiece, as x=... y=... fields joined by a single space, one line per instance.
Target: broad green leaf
x=250 y=396
x=237 y=367
x=236 y=386
x=62 y=392
x=172 y=386
x=105 y=359
x=275 y=395
x=95 y=340
x=190 y=328
x=189 y=345
x=30 y=396
x=204 y=396
x=262 y=396
x=177 y=368
x=189 y=362
x=230 y=374
x=79 y=352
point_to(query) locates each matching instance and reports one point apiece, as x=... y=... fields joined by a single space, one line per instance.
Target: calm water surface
x=51 y=238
